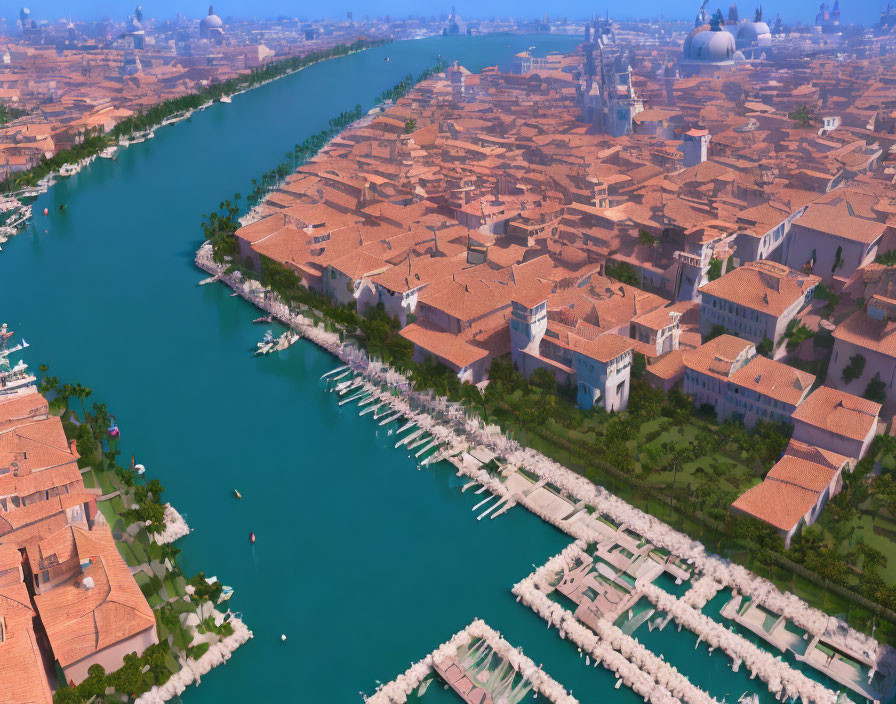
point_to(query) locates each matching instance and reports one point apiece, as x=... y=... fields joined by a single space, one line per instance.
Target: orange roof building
x=756 y=301
x=868 y=334
x=836 y=421
x=794 y=491
x=53 y=550
x=99 y=614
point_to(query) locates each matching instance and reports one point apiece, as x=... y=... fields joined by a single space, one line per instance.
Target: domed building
x=753 y=38
x=211 y=26
x=708 y=48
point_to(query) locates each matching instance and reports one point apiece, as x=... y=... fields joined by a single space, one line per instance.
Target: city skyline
x=796 y=11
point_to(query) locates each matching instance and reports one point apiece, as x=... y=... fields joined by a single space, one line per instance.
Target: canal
x=364 y=562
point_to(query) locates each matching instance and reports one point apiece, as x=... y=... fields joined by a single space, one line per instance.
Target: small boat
x=237 y=494
x=62 y=207
x=226 y=593
x=226 y=99
x=141 y=470
x=387 y=59
x=114 y=432
x=46 y=211
x=251 y=537
x=264 y=319
x=235 y=293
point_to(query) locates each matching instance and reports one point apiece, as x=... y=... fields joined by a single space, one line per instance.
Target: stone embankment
x=175 y=527
x=192 y=670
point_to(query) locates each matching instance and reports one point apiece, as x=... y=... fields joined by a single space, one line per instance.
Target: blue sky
x=864 y=11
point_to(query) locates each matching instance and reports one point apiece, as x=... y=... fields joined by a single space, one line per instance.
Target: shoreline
x=47 y=182
x=468 y=432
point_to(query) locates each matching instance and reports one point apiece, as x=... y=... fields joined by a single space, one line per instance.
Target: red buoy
x=46 y=211
x=251 y=537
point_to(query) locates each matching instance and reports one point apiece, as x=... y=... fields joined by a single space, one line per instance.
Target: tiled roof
x=831 y=460
x=81 y=621
x=718 y=356
x=780 y=504
x=763 y=286
x=774 y=380
x=446 y=345
x=802 y=473
x=864 y=331
x=603 y=348
x=836 y=220
x=839 y=413
x=22 y=676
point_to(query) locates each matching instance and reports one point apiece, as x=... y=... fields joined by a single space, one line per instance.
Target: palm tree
x=81 y=393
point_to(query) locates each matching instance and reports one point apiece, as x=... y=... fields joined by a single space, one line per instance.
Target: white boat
x=271 y=344
x=226 y=593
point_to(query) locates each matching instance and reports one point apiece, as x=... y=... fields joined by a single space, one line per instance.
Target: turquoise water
x=364 y=562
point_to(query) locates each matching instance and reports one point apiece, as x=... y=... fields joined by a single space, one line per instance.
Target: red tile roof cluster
x=47 y=514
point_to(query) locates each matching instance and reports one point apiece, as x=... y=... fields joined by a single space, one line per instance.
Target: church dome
x=703 y=44
x=211 y=21
x=753 y=34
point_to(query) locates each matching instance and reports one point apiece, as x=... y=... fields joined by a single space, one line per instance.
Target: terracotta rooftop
x=762 y=286
x=82 y=620
x=839 y=413
x=836 y=220
x=773 y=379
x=802 y=473
x=450 y=347
x=719 y=356
x=22 y=676
x=778 y=503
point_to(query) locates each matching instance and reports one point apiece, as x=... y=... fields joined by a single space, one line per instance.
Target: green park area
x=680 y=464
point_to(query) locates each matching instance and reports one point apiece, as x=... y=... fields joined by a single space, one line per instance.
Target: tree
x=716 y=331
x=623 y=272
x=82 y=393
x=543 y=379
x=410 y=126
x=715 y=269
x=854 y=369
x=876 y=391
x=47 y=384
x=802 y=115
x=765 y=347
x=647 y=239
x=888 y=258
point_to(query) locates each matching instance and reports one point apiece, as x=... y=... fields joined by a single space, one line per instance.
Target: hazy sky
x=864 y=11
